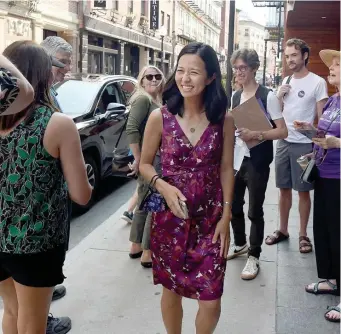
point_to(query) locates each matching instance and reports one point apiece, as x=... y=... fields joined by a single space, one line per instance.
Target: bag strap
x=153 y=180
x=288 y=80
x=123 y=128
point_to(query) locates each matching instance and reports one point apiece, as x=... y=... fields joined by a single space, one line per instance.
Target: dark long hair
x=35 y=64
x=215 y=99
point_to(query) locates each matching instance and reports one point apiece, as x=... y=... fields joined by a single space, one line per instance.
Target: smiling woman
x=190 y=236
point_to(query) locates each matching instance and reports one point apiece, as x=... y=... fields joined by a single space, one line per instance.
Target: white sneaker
x=251 y=268
x=236 y=251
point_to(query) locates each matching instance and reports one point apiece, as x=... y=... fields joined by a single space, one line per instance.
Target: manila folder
x=250 y=115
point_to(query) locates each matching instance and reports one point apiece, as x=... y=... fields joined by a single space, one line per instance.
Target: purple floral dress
x=185 y=260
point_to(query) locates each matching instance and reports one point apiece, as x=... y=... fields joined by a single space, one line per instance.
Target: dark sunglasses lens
x=158 y=76
x=149 y=77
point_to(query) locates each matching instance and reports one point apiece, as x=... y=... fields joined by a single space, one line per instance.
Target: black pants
x=256 y=181
x=327 y=228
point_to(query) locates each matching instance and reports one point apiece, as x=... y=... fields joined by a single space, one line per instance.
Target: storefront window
x=109 y=63
x=94 y=40
x=94 y=62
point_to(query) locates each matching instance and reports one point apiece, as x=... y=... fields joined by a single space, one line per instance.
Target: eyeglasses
x=242 y=68
x=150 y=77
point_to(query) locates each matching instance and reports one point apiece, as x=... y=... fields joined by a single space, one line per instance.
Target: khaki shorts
x=288 y=171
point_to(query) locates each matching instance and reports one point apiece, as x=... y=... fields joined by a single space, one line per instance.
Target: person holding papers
x=254 y=170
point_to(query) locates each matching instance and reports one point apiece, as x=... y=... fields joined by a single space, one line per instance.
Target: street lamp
x=162 y=33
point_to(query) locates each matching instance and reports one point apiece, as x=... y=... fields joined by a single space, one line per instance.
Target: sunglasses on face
x=150 y=77
x=241 y=68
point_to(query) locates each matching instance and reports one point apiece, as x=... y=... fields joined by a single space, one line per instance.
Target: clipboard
x=251 y=115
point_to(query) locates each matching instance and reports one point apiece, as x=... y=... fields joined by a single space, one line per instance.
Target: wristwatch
x=261 y=137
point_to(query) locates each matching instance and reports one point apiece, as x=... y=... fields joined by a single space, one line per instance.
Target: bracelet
x=227 y=203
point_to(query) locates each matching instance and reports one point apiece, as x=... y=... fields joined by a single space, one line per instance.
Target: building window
x=48 y=33
x=144 y=4
x=168 y=25
x=116 y=4
x=162 y=18
x=246 y=45
x=94 y=62
x=131 y=7
x=247 y=32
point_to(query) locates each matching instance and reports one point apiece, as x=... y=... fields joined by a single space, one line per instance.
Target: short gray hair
x=56 y=44
x=248 y=56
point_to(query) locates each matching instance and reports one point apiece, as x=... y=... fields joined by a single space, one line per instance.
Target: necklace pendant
x=192 y=130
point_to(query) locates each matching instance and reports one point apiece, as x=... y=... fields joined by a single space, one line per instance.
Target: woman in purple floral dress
x=196 y=138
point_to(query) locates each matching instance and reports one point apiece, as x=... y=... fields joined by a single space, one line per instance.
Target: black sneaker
x=58 y=325
x=127 y=216
x=58 y=292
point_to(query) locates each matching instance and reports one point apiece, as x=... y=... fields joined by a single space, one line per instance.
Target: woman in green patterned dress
x=40 y=161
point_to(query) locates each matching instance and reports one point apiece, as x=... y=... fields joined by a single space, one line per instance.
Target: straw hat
x=328 y=55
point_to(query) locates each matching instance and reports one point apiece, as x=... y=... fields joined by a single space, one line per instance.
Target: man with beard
x=62 y=51
x=303 y=96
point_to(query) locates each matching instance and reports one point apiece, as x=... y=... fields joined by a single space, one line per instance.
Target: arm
x=138 y=113
x=321 y=95
x=26 y=92
x=62 y=141
x=222 y=230
x=319 y=108
x=151 y=144
x=227 y=171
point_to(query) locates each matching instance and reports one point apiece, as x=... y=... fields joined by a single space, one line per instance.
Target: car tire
x=94 y=180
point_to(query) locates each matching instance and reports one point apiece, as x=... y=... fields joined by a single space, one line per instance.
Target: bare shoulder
x=156 y=116
x=61 y=122
x=228 y=121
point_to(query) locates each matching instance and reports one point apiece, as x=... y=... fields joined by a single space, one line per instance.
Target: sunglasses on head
x=150 y=77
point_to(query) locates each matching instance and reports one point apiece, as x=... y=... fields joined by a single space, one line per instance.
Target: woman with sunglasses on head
x=39 y=150
x=327 y=190
x=146 y=98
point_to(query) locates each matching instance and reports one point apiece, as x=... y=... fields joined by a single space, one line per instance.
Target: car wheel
x=93 y=177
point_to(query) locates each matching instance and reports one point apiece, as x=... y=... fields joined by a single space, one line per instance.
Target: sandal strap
x=333 y=308
x=331 y=285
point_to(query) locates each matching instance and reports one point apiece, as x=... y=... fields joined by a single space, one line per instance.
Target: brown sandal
x=304 y=242
x=275 y=238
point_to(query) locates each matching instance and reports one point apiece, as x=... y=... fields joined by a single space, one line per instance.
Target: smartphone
x=311 y=133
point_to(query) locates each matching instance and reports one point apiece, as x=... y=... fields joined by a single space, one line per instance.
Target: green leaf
x=22 y=153
x=33 y=152
x=2 y=224
x=45 y=207
x=33 y=140
x=8 y=198
x=27 y=162
x=10 y=145
x=29 y=184
x=21 y=141
x=4 y=165
x=13 y=231
x=25 y=218
x=38 y=226
x=38 y=196
x=42 y=162
x=16 y=220
x=13 y=178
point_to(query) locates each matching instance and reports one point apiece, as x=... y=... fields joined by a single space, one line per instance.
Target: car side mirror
x=115 y=109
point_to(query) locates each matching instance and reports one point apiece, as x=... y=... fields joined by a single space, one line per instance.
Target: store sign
x=154 y=14
x=100 y=4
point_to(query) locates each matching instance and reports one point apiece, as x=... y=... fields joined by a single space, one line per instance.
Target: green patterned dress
x=33 y=197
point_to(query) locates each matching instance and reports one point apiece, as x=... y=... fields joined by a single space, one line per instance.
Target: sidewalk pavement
x=108 y=293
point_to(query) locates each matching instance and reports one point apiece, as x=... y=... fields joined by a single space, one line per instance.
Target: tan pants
x=140 y=227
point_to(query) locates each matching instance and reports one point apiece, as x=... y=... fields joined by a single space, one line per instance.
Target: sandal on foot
x=147 y=264
x=135 y=255
x=304 y=242
x=329 y=309
x=316 y=291
x=275 y=238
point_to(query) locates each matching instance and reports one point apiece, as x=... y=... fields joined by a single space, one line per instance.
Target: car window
x=110 y=94
x=127 y=88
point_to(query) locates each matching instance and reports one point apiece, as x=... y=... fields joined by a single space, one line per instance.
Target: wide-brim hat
x=327 y=56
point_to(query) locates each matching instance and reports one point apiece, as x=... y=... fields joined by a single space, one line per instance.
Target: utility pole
x=232 y=16
x=173 y=36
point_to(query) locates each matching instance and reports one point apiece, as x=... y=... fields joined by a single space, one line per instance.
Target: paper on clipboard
x=250 y=115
